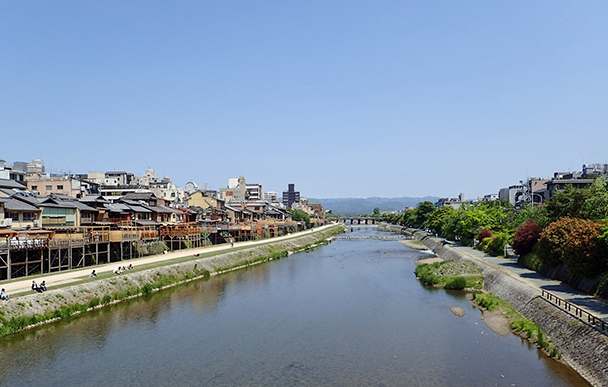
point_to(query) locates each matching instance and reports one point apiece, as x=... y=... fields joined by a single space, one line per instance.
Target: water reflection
x=348 y=314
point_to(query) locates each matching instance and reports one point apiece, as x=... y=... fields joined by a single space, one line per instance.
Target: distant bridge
x=360 y=219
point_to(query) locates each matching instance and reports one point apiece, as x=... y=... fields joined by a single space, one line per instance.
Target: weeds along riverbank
x=40 y=308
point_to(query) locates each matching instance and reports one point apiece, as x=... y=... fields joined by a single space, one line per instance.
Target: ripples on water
x=348 y=314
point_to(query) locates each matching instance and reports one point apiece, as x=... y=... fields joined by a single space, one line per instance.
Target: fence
x=578 y=312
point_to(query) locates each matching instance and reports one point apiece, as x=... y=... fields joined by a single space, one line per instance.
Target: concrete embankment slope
x=583 y=347
x=101 y=291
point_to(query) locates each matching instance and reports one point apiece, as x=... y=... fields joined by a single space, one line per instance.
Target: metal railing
x=581 y=314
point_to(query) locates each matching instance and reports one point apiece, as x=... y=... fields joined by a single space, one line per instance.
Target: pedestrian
x=4 y=296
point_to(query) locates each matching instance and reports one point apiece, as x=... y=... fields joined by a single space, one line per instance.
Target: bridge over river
x=360 y=219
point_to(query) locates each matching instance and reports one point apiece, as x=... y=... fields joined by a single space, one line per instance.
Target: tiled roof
x=7 y=183
x=18 y=205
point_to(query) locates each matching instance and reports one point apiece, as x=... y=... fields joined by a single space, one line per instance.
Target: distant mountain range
x=355 y=206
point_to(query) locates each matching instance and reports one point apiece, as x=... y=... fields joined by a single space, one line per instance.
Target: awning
x=147 y=223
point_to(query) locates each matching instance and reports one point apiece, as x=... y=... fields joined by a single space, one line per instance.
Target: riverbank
x=37 y=308
x=413 y=244
x=582 y=346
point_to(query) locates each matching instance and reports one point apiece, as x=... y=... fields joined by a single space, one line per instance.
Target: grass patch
x=451 y=275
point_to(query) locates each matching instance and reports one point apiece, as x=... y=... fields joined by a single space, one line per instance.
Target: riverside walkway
x=22 y=286
x=591 y=304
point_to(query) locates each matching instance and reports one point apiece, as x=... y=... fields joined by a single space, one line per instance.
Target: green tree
x=409 y=217
x=423 y=211
x=568 y=203
x=470 y=219
x=535 y=212
x=439 y=218
x=596 y=205
x=376 y=211
x=299 y=215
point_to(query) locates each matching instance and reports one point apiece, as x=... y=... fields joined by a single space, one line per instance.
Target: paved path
x=589 y=303
x=71 y=277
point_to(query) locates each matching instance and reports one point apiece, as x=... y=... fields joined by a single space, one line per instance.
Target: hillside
x=355 y=206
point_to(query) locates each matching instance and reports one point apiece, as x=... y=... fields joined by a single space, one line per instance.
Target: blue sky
x=342 y=98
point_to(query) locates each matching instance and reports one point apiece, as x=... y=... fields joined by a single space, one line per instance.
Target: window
x=13 y=215
x=34 y=188
x=28 y=216
x=60 y=186
x=49 y=187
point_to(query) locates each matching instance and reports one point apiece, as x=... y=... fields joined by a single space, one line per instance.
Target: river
x=347 y=314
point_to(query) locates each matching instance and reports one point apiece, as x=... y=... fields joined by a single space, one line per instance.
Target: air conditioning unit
x=36 y=223
x=7 y=222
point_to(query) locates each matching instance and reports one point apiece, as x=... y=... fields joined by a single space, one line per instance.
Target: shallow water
x=348 y=314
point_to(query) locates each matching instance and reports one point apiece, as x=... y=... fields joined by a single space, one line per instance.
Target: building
x=317 y=208
x=253 y=191
x=553 y=186
x=238 y=190
x=594 y=170
x=12 y=172
x=17 y=214
x=271 y=196
x=452 y=202
x=61 y=185
x=290 y=196
x=204 y=199
x=511 y=194
x=116 y=178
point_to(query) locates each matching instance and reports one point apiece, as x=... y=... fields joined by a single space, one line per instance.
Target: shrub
x=575 y=243
x=526 y=237
x=456 y=283
x=94 y=302
x=147 y=289
x=485 y=233
x=497 y=245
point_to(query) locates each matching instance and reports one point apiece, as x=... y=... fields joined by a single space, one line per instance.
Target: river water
x=347 y=314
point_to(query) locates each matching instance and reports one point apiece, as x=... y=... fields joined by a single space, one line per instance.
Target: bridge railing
x=581 y=314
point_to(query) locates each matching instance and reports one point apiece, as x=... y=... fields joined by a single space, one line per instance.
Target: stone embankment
x=47 y=306
x=582 y=346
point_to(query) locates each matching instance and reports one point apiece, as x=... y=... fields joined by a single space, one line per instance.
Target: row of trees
x=569 y=229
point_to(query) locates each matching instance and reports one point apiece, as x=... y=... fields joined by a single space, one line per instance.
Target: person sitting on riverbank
x=42 y=286
x=35 y=287
x=118 y=270
x=130 y=267
x=4 y=296
x=93 y=274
